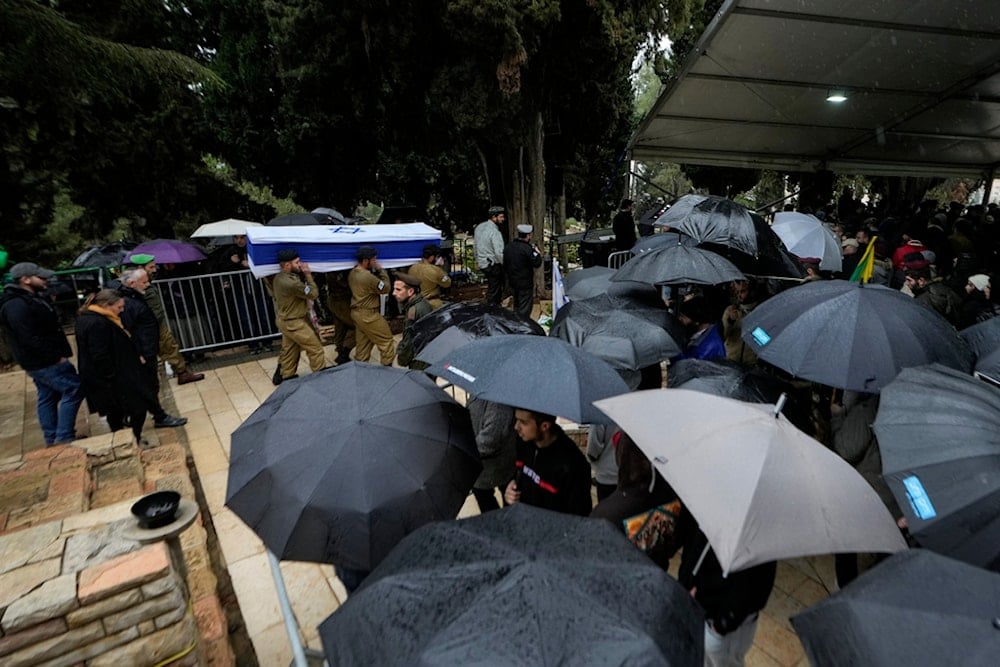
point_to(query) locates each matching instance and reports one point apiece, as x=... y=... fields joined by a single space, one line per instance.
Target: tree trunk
x=535 y=191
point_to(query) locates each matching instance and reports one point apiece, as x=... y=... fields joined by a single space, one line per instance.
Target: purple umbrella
x=169 y=251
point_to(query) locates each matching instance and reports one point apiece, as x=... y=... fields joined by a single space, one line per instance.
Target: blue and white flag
x=559 y=297
x=332 y=247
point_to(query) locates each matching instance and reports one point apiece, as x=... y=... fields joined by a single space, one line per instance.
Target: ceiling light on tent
x=836 y=96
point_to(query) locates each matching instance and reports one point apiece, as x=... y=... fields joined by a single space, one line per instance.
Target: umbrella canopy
x=916 y=608
x=338 y=466
x=479 y=319
x=851 y=336
x=518 y=586
x=731 y=379
x=444 y=343
x=110 y=254
x=939 y=436
x=647 y=243
x=984 y=339
x=760 y=489
x=806 y=236
x=623 y=339
x=711 y=219
x=596 y=280
x=169 y=251
x=532 y=372
x=329 y=216
x=677 y=264
x=295 y=220
x=228 y=227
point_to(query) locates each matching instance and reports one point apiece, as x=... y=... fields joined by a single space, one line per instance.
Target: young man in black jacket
x=39 y=345
x=552 y=472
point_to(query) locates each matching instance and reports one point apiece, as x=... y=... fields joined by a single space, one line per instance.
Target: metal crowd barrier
x=617 y=259
x=217 y=310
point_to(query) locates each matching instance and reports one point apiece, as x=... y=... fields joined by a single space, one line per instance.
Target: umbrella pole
x=291 y=627
x=701 y=558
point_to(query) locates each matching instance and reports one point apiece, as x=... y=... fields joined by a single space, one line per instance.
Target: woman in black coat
x=109 y=365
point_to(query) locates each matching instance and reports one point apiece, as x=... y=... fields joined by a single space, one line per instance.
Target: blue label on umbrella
x=760 y=336
x=918 y=498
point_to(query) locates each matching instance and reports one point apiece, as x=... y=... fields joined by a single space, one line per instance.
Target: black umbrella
x=479 y=319
x=850 y=336
x=532 y=372
x=338 y=466
x=294 y=220
x=916 y=608
x=711 y=219
x=625 y=340
x=723 y=377
x=110 y=254
x=984 y=339
x=678 y=264
x=519 y=586
x=771 y=260
x=647 y=243
x=329 y=216
x=939 y=436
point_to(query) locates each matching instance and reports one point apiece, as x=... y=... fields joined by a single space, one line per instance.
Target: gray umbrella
x=939 y=435
x=984 y=339
x=532 y=372
x=916 y=608
x=760 y=489
x=711 y=219
x=679 y=264
x=596 y=280
x=648 y=243
x=338 y=466
x=625 y=340
x=518 y=586
x=851 y=336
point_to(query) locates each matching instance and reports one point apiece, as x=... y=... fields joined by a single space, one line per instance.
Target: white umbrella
x=760 y=489
x=228 y=227
x=806 y=236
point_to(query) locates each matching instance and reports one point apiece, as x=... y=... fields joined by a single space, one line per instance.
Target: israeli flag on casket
x=332 y=247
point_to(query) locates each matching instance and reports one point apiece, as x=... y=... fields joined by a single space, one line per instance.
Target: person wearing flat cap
x=520 y=259
x=406 y=289
x=294 y=291
x=368 y=282
x=39 y=345
x=432 y=276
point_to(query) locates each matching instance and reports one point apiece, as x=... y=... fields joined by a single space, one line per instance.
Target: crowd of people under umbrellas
x=942 y=259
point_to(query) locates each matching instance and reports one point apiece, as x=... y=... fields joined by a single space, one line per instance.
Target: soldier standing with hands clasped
x=520 y=259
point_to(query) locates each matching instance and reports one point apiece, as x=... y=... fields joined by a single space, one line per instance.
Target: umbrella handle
x=291 y=627
x=701 y=558
x=780 y=404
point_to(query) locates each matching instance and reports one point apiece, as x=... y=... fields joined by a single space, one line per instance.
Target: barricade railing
x=217 y=310
x=617 y=259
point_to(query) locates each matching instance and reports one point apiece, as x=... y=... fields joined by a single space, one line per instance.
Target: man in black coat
x=520 y=259
x=39 y=345
x=140 y=321
x=624 y=226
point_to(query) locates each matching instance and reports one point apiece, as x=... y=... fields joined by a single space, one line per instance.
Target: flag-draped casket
x=332 y=247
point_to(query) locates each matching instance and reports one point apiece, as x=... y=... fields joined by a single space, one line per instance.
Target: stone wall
x=63 y=601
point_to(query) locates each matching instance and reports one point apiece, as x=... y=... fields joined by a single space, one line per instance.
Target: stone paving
x=217 y=405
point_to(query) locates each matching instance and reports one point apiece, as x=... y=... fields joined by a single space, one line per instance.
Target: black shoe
x=276 y=379
x=170 y=421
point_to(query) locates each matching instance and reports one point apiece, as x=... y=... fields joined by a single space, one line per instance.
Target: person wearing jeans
x=39 y=345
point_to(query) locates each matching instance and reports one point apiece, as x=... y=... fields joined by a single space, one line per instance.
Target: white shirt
x=489 y=244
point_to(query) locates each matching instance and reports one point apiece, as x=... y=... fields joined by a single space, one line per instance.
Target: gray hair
x=132 y=276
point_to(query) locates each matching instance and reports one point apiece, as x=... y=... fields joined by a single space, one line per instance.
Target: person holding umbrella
x=552 y=472
x=520 y=259
x=294 y=291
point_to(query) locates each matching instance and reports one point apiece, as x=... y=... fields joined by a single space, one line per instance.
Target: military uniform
x=432 y=279
x=414 y=308
x=339 y=302
x=370 y=327
x=292 y=297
